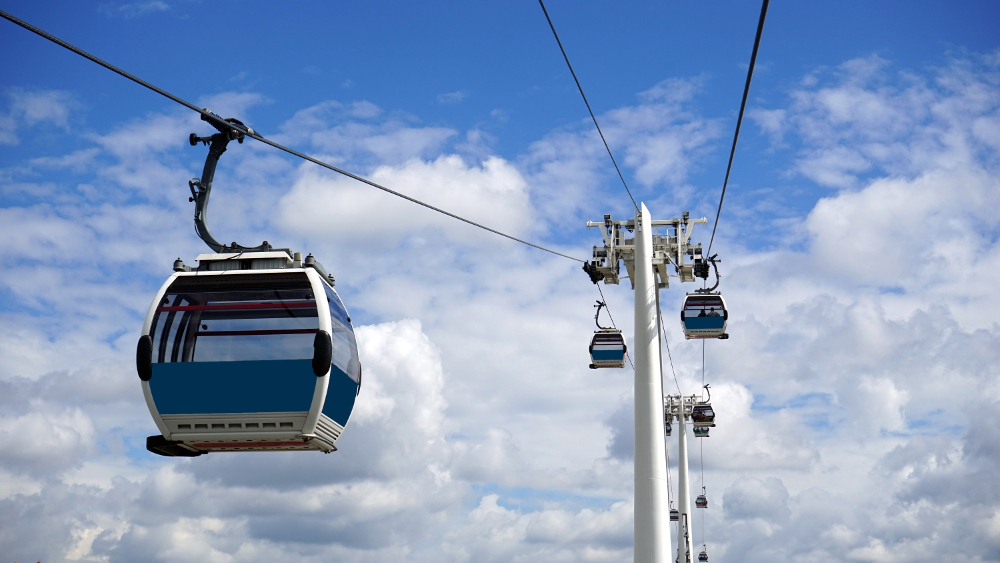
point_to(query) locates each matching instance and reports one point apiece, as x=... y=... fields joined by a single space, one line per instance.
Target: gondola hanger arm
x=201 y=189
x=600 y=305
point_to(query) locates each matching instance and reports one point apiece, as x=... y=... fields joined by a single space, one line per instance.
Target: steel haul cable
x=701 y=457
x=739 y=120
x=663 y=331
x=575 y=79
x=250 y=133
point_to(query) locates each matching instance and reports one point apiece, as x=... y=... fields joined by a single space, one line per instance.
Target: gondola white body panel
x=233 y=366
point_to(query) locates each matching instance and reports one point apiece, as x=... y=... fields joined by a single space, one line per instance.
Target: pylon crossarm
x=671 y=249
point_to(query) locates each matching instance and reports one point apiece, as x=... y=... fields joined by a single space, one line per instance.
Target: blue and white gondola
x=251 y=351
x=608 y=349
x=607 y=346
x=704 y=315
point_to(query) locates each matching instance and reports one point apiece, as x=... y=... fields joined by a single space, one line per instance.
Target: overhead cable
x=663 y=331
x=252 y=134
x=613 y=161
x=739 y=120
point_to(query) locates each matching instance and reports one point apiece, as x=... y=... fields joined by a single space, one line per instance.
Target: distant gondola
x=702 y=415
x=607 y=346
x=704 y=315
x=702 y=500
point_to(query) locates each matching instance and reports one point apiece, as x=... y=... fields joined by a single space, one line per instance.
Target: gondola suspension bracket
x=201 y=188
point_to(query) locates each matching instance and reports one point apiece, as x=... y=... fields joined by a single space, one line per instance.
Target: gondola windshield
x=216 y=324
x=345 y=347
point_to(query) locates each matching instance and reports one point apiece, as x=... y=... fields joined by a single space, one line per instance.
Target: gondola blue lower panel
x=705 y=323
x=611 y=355
x=248 y=387
x=233 y=387
x=340 y=396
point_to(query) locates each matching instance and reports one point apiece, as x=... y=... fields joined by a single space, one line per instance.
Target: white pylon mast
x=681 y=408
x=647 y=257
x=652 y=509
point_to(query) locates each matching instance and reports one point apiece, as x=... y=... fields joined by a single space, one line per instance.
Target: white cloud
x=451 y=98
x=358 y=133
x=858 y=118
x=492 y=193
x=134 y=9
x=659 y=141
x=33 y=107
x=41 y=439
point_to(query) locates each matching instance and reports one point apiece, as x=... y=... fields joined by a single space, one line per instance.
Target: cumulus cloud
x=134 y=9
x=28 y=108
x=359 y=133
x=451 y=97
x=659 y=140
x=493 y=193
x=860 y=119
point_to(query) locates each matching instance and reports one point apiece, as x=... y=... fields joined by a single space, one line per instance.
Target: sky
x=856 y=398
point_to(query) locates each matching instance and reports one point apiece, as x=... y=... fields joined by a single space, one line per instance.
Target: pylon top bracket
x=672 y=248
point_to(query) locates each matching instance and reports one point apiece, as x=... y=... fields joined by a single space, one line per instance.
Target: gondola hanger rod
x=248 y=132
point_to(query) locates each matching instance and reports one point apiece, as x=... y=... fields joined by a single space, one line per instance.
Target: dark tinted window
x=700 y=306
x=241 y=318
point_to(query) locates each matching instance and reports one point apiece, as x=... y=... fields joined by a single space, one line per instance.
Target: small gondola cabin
x=249 y=352
x=608 y=349
x=704 y=315
x=702 y=415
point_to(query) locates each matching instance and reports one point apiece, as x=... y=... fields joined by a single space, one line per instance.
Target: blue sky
x=859 y=241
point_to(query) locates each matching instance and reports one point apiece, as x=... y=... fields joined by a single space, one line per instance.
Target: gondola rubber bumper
x=322 y=353
x=144 y=357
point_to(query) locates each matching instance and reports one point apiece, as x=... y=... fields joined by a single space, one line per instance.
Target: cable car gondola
x=607 y=346
x=675 y=515
x=703 y=416
x=253 y=350
x=702 y=500
x=700 y=432
x=703 y=556
x=704 y=315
